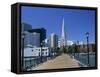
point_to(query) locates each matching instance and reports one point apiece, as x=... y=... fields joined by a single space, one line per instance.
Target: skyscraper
x=32 y=39
x=24 y=32
x=25 y=27
x=53 y=40
x=35 y=40
x=63 y=35
x=47 y=42
x=42 y=32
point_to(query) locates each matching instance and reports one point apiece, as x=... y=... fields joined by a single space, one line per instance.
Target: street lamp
x=74 y=48
x=41 y=50
x=87 y=37
x=23 y=36
x=78 y=48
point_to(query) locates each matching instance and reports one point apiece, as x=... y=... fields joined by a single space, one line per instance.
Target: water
x=83 y=58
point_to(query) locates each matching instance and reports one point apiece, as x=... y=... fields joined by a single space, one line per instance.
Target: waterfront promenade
x=62 y=61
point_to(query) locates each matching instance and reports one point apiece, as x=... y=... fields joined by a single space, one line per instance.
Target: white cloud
x=69 y=42
x=80 y=43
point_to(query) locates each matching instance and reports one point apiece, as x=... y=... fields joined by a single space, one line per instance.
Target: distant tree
x=70 y=49
x=64 y=49
x=75 y=48
x=58 y=50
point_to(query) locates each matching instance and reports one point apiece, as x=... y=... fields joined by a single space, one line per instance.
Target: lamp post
x=41 y=51
x=74 y=49
x=23 y=36
x=87 y=37
x=78 y=48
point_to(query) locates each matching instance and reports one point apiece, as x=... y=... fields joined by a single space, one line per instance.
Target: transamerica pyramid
x=63 y=34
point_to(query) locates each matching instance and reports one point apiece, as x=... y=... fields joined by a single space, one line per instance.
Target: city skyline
x=31 y=15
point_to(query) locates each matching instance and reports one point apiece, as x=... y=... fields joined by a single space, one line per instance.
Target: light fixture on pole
x=87 y=37
x=23 y=37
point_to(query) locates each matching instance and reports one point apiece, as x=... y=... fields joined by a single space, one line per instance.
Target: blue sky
x=77 y=22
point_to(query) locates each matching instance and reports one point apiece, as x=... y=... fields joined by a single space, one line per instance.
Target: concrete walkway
x=63 y=61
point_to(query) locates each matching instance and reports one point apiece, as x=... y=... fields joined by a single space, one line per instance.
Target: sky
x=77 y=22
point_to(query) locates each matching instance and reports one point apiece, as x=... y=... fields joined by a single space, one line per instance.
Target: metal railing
x=33 y=61
x=82 y=58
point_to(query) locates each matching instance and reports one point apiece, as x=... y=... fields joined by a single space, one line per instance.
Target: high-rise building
x=63 y=35
x=35 y=40
x=24 y=30
x=47 y=42
x=53 y=40
x=42 y=32
x=59 y=43
x=25 y=27
x=32 y=39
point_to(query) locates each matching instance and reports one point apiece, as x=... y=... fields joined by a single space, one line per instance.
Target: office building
x=53 y=40
x=42 y=33
x=31 y=39
x=25 y=27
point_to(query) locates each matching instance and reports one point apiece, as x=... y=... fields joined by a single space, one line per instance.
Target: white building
x=47 y=42
x=59 y=43
x=53 y=40
x=36 y=51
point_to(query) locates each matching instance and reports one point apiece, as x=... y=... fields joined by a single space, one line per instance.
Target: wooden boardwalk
x=63 y=61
